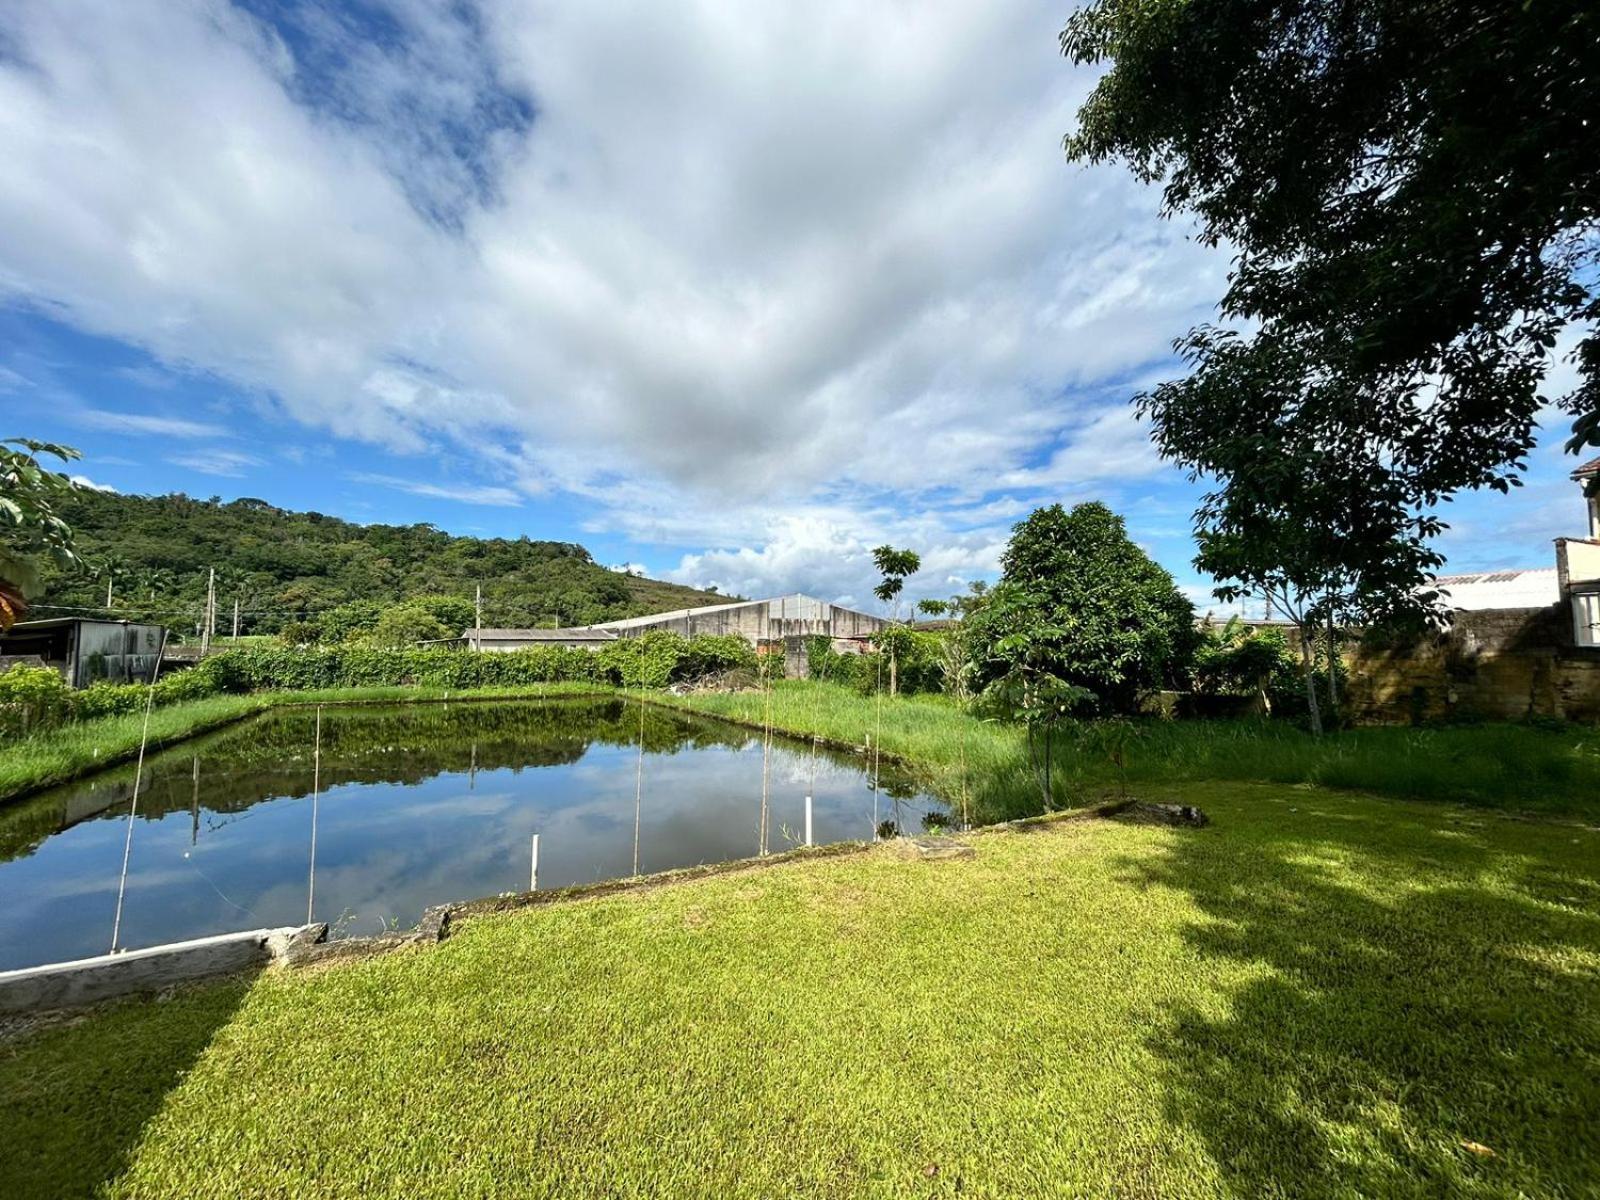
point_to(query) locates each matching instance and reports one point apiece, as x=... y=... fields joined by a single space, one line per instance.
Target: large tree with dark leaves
x=1411 y=190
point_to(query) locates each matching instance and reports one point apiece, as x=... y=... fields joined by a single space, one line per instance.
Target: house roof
x=1592 y=467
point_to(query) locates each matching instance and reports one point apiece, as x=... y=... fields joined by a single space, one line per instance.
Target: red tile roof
x=1592 y=467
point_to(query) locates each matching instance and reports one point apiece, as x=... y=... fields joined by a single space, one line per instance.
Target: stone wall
x=1500 y=664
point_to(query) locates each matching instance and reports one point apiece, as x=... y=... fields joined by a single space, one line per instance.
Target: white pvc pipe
x=533 y=872
x=808 y=820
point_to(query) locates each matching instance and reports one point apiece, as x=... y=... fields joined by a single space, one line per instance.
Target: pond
x=414 y=805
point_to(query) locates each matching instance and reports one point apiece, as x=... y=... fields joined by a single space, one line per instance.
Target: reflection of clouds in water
x=388 y=850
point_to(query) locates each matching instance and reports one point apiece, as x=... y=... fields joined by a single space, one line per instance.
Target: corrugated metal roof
x=1538 y=587
x=541 y=635
x=796 y=606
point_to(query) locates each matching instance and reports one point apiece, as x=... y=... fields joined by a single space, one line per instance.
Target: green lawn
x=1320 y=994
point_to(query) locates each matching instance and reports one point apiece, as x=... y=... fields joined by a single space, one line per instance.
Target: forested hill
x=289 y=566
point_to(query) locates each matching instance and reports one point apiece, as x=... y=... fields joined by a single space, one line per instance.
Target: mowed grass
x=1521 y=768
x=1321 y=994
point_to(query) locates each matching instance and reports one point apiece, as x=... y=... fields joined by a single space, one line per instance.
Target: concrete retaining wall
x=1499 y=664
x=91 y=980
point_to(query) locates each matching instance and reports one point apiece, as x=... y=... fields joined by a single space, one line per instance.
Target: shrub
x=406 y=625
x=712 y=654
x=33 y=698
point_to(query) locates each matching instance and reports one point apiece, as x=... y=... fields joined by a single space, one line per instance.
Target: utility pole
x=108 y=588
x=236 y=618
x=477 y=619
x=210 y=624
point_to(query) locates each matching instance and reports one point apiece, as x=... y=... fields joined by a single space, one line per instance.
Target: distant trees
x=32 y=528
x=1082 y=610
x=294 y=568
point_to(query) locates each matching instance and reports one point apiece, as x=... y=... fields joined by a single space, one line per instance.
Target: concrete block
x=107 y=976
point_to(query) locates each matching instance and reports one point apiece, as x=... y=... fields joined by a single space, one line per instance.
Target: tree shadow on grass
x=78 y=1096
x=1409 y=999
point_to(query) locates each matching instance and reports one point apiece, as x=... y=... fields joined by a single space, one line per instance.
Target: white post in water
x=316 y=787
x=811 y=788
x=533 y=873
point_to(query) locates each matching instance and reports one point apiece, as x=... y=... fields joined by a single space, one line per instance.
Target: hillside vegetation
x=284 y=566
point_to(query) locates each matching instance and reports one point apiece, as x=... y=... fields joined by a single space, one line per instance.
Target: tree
x=406 y=625
x=1410 y=188
x=933 y=608
x=31 y=526
x=1031 y=695
x=894 y=565
x=1087 y=606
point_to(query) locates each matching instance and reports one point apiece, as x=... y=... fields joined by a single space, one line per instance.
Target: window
x=1586 y=618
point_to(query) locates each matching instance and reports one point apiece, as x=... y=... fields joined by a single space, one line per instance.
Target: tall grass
x=1514 y=767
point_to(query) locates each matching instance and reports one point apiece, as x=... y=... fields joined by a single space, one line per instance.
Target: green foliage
x=894 y=565
x=298 y=567
x=31 y=524
x=1080 y=602
x=32 y=698
x=1042 y=703
x=714 y=654
x=1238 y=660
x=917 y=657
x=1407 y=191
x=406 y=625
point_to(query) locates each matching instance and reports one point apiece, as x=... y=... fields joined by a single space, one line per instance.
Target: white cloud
x=229 y=464
x=144 y=424
x=84 y=481
x=795 y=271
x=462 y=493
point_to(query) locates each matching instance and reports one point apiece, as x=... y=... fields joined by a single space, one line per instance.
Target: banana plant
x=31 y=527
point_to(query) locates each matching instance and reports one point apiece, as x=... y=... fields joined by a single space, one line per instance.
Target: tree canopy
x=1410 y=189
x=1081 y=606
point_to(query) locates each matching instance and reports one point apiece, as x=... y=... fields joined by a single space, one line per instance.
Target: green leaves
x=30 y=526
x=1410 y=191
x=894 y=565
x=1081 y=602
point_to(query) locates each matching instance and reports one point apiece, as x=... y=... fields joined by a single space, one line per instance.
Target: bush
x=713 y=654
x=32 y=698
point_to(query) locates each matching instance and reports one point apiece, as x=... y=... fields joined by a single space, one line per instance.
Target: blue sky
x=730 y=292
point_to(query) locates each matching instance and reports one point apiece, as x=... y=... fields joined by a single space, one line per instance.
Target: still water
x=415 y=805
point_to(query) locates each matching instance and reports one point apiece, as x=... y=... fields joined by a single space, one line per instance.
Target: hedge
x=34 y=698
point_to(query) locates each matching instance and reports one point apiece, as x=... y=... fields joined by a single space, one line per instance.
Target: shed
x=89 y=651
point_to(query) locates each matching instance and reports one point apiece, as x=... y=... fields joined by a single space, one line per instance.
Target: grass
x=1551 y=771
x=58 y=755
x=1321 y=994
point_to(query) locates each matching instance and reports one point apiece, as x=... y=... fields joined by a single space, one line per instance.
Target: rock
x=1165 y=814
x=930 y=847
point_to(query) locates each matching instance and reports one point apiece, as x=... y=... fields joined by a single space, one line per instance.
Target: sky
x=728 y=293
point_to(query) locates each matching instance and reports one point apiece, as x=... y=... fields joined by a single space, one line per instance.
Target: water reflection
x=418 y=805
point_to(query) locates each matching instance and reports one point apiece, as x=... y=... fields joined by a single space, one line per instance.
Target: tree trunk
x=1333 y=672
x=1310 y=668
x=894 y=674
x=1049 y=792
